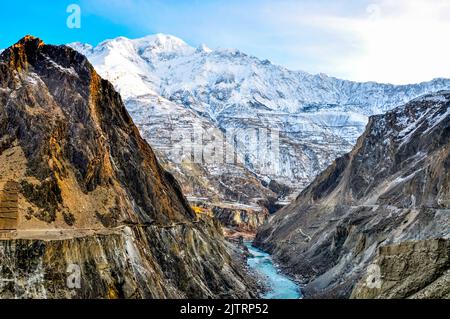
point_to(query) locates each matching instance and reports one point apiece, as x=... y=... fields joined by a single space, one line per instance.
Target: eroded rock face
x=152 y=262
x=91 y=191
x=393 y=187
x=409 y=270
x=236 y=220
x=246 y=220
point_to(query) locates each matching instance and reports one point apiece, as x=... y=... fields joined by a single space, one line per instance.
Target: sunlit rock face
x=81 y=189
x=393 y=187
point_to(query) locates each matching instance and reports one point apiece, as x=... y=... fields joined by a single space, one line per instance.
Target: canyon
x=116 y=179
x=285 y=126
x=383 y=206
x=82 y=192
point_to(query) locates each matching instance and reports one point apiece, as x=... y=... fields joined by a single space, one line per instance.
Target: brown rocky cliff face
x=91 y=192
x=393 y=187
x=409 y=270
x=244 y=220
x=72 y=119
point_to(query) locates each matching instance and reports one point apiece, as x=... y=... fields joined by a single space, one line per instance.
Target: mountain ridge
x=311 y=119
x=87 y=192
x=392 y=188
x=181 y=42
x=228 y=88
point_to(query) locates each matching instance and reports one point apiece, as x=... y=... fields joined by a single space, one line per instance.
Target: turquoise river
x=280 y=286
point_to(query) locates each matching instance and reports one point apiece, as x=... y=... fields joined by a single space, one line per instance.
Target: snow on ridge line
x=319 y=117
x=172 y=43
x=164 y=41
x=227 y=82
x=439 y=96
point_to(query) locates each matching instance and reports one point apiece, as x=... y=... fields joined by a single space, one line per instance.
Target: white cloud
x=401 y=41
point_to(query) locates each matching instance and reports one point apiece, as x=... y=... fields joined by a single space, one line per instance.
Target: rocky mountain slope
x=313 y=118
x=82 y=192
x=393 y=187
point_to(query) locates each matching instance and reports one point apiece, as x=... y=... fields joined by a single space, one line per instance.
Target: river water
x=280 y=286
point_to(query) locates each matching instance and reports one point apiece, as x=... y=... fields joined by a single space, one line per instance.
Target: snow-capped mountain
x=391 y=189
x=168 y=84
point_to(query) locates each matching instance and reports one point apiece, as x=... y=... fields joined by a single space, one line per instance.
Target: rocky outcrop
x=236 y=220
x=129 y=262
x=9 y=196
x=409 y=270
x=394 y=186
x=91 y=193
x=245 y=219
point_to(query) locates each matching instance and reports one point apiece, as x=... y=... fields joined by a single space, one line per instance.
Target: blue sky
x=396 y=41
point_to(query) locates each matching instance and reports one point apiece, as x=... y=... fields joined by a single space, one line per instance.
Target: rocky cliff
x=409 y=270
x=82 y=192
x=393 y=187
x=234 y=218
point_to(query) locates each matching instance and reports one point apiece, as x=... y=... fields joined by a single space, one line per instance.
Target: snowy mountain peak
x=162 y=43
x=203 y=48
x=319 y=117
x=149 y=46
x=162 y=39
